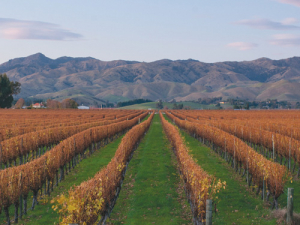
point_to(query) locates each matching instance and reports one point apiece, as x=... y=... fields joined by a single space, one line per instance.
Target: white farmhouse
x=83 y=107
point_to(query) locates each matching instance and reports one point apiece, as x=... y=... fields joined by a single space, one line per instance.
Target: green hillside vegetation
x=115 y=98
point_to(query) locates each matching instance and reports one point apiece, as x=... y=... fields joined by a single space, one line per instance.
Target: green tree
x=7 y=90
x=159 y=104
x=69 y=104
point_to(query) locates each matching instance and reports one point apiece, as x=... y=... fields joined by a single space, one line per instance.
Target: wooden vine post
x=21 y=199
x=0 y=156
x=243 y=134
x=21 y=158
x=248 y=167
x=290 y=154
x=273 y=147
x=290 y=206
x=208 y=212
x=260 y=138
x=250 y=140
x=74 y=158
x=234 y=153
x=225 y=151
x=263 y=191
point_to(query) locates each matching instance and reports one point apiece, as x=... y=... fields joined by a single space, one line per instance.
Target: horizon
x=145 y=61
x=149 y=31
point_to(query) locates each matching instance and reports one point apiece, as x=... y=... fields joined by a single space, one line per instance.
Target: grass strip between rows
x=237 y=204
x=92 y=201
x=152 y=192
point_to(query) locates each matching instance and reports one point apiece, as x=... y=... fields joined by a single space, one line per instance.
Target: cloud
x=285 y=40
x=290 y=2
x=242 y=46
x=24 y=29
x=265 y=24
x=289 y=21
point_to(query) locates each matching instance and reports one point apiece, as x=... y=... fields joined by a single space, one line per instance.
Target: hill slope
x=91 y=80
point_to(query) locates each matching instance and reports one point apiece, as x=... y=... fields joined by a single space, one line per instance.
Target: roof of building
x=83 y=107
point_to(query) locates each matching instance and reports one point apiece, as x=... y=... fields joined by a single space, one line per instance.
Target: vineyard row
x=199 y=185
x=40 y=124
x=279 y=146
x=19 y=181
x=21 y=146
x=94 y=199
x=261 y=172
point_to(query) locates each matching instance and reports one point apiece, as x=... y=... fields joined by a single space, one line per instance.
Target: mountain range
x=90 y=81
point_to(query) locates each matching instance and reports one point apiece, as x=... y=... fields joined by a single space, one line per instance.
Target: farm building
x=38 y=105
x=83 y=107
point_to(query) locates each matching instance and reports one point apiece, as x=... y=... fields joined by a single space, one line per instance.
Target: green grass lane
x=152 y=192
x=87 y=168
x=238 y=205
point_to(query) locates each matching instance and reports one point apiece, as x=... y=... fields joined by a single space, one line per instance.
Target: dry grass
x=280 y=215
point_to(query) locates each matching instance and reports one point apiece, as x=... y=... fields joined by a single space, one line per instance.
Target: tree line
x=9 y=88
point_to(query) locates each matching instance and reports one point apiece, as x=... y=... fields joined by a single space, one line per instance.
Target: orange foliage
x=18 y=180
x=200 y=186
x=31 y=142
x=90 y=199
x=261 y=168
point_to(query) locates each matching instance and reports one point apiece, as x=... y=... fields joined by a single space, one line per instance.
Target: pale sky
x=208 y=31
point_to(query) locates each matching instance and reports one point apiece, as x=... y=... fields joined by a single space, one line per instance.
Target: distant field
x=152 y=105
x=115 y=98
